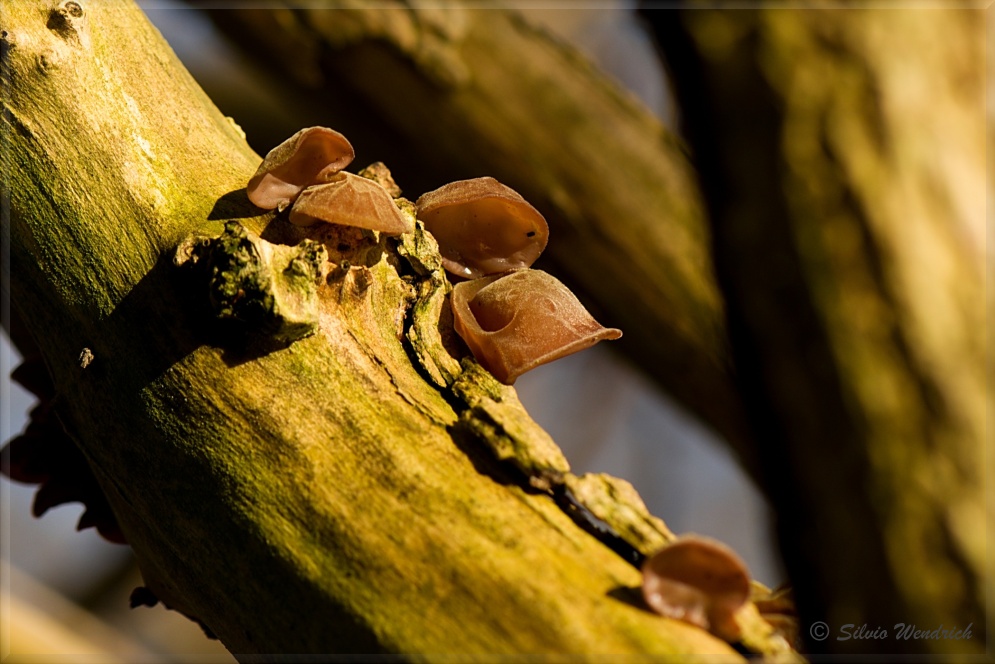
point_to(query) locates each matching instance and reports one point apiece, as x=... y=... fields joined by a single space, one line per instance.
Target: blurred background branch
x=842 y=155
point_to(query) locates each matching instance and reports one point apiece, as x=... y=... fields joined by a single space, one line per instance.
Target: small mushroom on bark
x=699 y=581
x=483 y=227
x=308 y=157
x=516 y=322
x=350 y=200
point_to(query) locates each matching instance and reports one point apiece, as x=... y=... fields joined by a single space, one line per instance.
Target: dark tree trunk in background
x=841 y=153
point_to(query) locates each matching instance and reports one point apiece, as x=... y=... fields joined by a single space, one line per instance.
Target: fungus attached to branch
x=310 y=156
x=516 y=322
x=350 y=200
x=699 y=581
x=483 y=227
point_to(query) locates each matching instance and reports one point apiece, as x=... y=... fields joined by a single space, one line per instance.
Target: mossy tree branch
x=331 y=495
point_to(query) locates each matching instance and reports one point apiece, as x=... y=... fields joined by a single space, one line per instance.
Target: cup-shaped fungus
x=350 y=200
x=516 y=322
x=699 y=581
x=308 y=157
x=483 y=227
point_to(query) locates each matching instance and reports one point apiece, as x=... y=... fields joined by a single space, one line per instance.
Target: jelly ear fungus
x=350 y=200
x=310 y=156
x=516 y=322
x=699 y=581
x=483 y=227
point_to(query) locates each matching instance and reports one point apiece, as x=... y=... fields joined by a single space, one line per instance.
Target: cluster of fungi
x=511 y=317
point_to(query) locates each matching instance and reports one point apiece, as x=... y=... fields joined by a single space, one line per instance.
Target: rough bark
x=842 y=157
x=355 y=490
x=615 y=186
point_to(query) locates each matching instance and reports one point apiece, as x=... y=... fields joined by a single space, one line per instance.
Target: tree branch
x=330 y=495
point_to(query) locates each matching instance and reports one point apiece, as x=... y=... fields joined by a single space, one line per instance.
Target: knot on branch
x=68 y=20
x=269 y=290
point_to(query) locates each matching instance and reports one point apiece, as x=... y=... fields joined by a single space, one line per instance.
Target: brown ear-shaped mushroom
x=308 y=157
x=515 y=322
x=699 y=581
x=350 y=200
x=483 y=227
